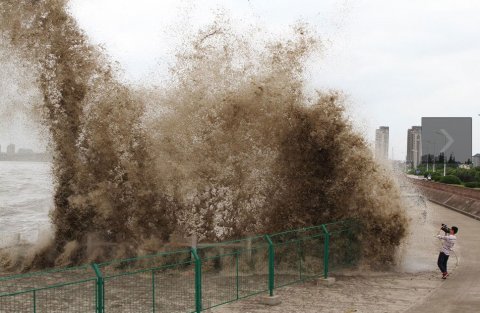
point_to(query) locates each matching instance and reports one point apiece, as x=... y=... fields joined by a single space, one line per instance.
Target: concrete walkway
x=460 y=292
x=415 y=286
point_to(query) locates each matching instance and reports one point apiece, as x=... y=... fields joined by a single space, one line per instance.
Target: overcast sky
x=397 y=61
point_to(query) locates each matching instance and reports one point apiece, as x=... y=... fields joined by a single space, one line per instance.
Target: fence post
x=237 y=282
x=271 y=265
x=153 y=291
x=100 y=307
x=326 y=251
x=300 y=255
x=198 y=281
x=34 y=302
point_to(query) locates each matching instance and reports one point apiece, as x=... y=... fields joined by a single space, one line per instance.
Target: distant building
x=476 y=160
x=381 y=142
x=25 y=151
x=11 y=149
x=0 y=149
x=414 y=146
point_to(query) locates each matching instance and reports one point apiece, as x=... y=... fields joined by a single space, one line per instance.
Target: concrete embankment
x=460 y=199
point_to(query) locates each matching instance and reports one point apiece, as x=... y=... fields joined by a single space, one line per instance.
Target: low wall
x=460 y=199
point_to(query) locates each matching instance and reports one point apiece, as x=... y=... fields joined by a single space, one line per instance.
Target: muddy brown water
x=231 y=145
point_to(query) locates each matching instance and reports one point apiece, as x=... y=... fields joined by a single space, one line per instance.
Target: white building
x=476 y=160
x=414 y=146
x=381 y=143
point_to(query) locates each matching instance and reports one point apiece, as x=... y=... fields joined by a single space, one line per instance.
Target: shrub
x=436 y=176
x=472 y=184
x=465 y=175
x=451 y=179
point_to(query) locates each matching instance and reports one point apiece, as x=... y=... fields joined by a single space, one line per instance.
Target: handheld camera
x=445 y=228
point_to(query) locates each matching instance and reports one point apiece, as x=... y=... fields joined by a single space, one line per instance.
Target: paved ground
x=415 y=286
x=461 y=291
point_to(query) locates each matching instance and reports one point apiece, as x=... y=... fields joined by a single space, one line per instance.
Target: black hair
x=455 y=229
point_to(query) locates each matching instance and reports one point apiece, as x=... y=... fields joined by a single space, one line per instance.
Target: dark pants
x=442 y=262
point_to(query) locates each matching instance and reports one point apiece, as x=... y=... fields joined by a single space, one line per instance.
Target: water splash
x=230 y=145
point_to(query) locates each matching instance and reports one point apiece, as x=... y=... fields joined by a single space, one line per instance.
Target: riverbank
x=463 y=200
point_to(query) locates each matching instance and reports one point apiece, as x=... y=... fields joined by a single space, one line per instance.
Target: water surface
x=26 y=196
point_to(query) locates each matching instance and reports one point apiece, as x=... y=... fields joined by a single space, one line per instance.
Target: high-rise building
x=381 y=142
x=11 y=149
x=414 y=146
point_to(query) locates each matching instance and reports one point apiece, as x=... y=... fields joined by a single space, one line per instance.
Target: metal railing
x=188 y=280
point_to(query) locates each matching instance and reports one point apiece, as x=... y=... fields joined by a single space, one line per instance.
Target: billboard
x=451 y=136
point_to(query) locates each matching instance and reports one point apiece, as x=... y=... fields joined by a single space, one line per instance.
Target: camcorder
x=445 y=228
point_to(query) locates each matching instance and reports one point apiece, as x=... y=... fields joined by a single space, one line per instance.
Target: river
x=26 y=197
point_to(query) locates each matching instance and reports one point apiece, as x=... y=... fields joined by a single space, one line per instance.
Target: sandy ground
x=415 y=286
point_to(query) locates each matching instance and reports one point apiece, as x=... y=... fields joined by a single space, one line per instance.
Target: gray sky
x=397 y=60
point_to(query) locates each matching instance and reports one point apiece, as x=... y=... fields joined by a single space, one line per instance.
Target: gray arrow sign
x=449 y=140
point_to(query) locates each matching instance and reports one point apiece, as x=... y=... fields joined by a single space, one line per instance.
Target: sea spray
x=101 y=166
x=231 y=145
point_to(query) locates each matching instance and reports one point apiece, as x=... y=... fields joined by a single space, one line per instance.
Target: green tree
x=451 y=159
x=441 y=157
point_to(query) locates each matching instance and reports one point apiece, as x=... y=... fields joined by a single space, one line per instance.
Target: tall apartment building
x=381 y=142
x=414 y=146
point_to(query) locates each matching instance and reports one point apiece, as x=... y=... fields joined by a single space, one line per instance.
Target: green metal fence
x=189 y=280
